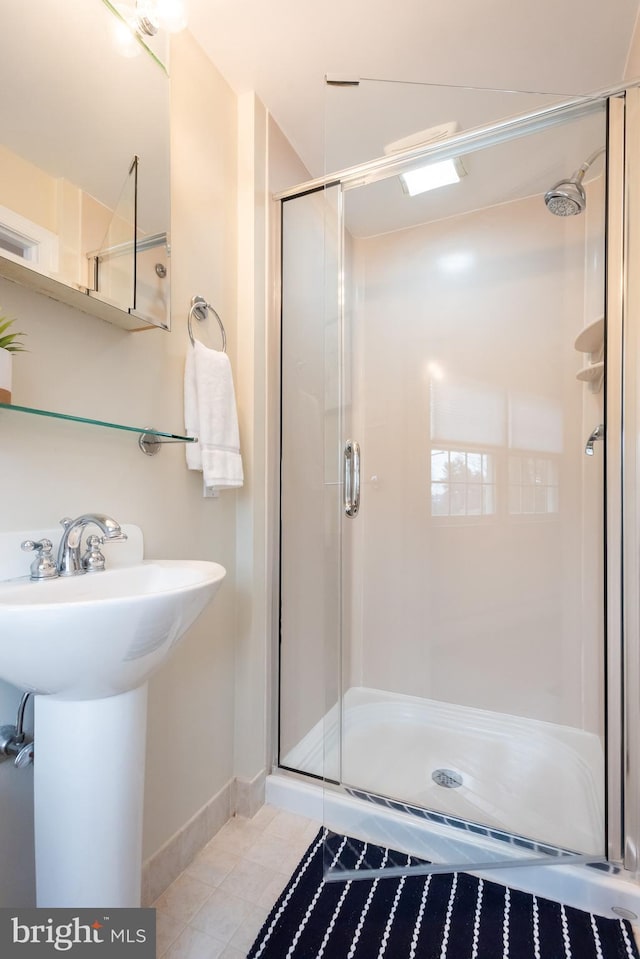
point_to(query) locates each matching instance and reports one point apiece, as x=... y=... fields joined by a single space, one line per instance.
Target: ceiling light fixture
x=428 y=176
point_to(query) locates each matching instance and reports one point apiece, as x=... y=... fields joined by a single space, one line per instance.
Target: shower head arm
x=578 y=176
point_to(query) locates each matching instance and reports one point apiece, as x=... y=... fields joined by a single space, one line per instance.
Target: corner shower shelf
x=590 y=340
x=149 y=440
x=591 y=373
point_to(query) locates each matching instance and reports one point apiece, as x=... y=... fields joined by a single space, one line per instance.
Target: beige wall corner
x=632 y=68
x=165 y=865
x=251 y=568
x=249 y=795
x=190 y=751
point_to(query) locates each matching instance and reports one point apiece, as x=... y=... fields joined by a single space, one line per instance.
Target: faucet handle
x=14 y=741
x=93 y=560
x=30 y=544
x=24 y=757
x=43 y=566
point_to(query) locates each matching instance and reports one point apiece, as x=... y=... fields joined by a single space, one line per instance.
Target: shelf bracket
x=150 y=442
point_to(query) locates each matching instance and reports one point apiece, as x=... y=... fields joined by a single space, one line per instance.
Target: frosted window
x=535 y=423
x=467 y=412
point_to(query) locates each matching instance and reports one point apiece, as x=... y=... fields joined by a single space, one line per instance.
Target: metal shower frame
x=622 y=405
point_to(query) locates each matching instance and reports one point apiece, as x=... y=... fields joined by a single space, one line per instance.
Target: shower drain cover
x=448 y=778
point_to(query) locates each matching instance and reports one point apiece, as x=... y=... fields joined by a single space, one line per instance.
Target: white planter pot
x=5 y=376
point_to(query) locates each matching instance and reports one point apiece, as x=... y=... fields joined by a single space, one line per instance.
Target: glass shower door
x=469 y=721
x=310 y=555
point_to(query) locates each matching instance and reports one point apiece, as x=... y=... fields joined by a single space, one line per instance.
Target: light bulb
x=147 y=17
x=124 y=39
x=172 y=15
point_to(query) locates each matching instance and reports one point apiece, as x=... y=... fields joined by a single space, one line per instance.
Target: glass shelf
x=149 y=439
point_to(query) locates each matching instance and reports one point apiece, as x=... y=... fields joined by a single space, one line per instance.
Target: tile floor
x=216 y=907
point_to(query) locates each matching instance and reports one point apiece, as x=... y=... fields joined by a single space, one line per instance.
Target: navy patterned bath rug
x=440 y=916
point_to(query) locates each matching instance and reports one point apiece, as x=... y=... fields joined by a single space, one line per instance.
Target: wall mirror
x=84 y=162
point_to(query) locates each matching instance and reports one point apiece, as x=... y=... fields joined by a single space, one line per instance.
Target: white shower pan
x=392 y=744
x=518 y=775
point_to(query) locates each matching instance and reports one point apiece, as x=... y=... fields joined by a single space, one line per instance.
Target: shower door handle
x=351 y=478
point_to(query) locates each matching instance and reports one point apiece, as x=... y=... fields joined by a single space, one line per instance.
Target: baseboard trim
x=239 y=797
x=249 y=795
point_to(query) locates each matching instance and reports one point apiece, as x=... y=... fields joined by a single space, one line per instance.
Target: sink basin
x=101 y=634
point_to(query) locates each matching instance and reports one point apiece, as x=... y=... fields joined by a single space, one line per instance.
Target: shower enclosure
x=453 y=647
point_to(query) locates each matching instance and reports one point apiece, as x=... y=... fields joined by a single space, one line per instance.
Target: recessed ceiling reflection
x=430 y=175
x=456 y=262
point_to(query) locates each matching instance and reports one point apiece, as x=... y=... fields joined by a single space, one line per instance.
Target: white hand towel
x=210 y=415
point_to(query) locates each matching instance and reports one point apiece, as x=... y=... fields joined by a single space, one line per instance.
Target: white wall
x=50 y=469
x=477 y=315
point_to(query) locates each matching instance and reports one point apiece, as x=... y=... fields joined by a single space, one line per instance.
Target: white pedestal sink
x=86 y=645
x=88 y=793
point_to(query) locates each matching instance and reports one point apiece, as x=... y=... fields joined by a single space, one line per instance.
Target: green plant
x=9 y=341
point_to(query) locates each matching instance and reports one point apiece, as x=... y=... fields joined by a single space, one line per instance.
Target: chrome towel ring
x=200 y=308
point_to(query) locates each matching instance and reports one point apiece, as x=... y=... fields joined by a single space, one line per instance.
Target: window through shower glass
x=464 y=681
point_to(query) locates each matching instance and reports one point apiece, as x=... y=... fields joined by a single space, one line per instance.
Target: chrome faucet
x=70 y=560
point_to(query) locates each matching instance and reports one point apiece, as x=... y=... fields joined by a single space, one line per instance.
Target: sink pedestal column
x=88 y=785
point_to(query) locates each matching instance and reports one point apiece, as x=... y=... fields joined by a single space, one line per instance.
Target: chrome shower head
x=566 y=198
